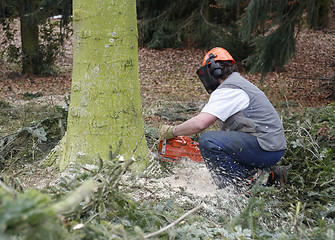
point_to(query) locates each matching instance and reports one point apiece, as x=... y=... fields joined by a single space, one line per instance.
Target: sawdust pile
x=188 y=184
x=194 y=177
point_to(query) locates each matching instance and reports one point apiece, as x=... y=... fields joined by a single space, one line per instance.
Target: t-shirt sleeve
x=225 y=102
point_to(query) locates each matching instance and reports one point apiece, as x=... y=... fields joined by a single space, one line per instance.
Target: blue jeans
x=233 y=156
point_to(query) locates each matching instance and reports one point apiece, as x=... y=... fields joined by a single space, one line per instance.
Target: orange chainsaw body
x=178 y=148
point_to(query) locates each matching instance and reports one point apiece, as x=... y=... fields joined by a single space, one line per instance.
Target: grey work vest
x=259 y=118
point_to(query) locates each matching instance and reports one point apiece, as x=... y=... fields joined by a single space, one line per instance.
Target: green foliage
x=270 y=25
x=280 y=43
x=311 y=154
x=29 y=96
x=4 y=105
x=255 y=16
x=260 y=33
x=306 y=204
x=49 y=47
x=96 y=202
x=27 y=216
x=318 y=13
x=110 y=212
x=204 y=24
x=304 y=208
x=51 y=43
x=12 y=52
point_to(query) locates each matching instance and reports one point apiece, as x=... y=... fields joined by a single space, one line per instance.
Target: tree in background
x=191 y=23
x=261 y=33
x=105 y=106
x=249 y=29
x=319 y=13
x=270 y=26
x=36 y=56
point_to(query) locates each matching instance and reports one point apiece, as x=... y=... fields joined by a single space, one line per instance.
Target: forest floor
x=306 y=80
x=168 y=77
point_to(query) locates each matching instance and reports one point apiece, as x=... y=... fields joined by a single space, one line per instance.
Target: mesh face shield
x=209 y=82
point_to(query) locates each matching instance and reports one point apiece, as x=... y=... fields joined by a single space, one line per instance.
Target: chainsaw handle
x=178 y=141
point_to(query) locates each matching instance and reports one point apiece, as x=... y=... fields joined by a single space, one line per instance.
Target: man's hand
x=165 y=132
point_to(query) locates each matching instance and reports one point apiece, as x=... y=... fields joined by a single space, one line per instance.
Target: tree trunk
x=320 y=14
x=105 y=106
x=29 y=37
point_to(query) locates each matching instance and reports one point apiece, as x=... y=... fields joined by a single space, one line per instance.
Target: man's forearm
x=194 y=125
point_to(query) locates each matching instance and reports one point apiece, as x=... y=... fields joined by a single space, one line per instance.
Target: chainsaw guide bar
x=179 y=148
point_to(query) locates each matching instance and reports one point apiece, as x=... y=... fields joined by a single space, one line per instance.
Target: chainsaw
x=178 y=148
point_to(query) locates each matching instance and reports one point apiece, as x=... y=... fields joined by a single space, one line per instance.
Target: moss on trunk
x=105 y=107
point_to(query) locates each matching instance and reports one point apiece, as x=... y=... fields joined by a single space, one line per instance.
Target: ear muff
x=214 y=68
x=210 y=83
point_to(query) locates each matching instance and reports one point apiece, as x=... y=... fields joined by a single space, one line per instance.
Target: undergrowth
x=93 y=202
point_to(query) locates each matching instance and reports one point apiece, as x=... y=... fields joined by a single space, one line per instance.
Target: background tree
x=270 y=26
x=191 y=23
x=318 y=14
x=35 y=57
x=259 y=33
x=105 y=106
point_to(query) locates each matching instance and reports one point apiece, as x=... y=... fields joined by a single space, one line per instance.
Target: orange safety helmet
x=220 y=54
x=211 y=70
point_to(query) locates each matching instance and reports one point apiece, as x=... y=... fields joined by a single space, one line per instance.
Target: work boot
x=258 y=175
x=277 y=176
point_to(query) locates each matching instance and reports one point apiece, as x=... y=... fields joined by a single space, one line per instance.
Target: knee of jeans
x=205 y=142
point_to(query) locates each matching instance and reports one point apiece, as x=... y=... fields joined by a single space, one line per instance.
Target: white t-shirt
x=225 y=102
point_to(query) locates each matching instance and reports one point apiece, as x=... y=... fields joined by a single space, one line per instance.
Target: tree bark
x=105 y=106
x=320 y=14
x=29 y=37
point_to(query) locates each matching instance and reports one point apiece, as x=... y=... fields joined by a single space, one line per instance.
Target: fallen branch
x=74 y=198
x=174 y=223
